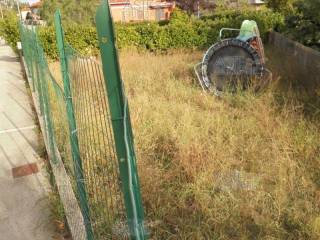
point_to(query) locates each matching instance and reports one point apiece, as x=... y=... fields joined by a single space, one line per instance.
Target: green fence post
x=73 y=129
x=120 y=123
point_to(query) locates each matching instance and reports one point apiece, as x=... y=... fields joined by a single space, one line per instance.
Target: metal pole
x=121 y=124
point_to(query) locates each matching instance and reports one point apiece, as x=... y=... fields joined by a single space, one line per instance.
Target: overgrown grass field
x=239 y=167
x=244 y=166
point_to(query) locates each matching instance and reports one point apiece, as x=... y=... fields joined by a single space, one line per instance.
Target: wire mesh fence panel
x=86 y=127
x=49 y=102
x=63 y=148
x=60 y=126
x=96 y=144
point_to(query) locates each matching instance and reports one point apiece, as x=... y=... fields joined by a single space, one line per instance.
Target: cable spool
x=228 y=63
x=234 y=62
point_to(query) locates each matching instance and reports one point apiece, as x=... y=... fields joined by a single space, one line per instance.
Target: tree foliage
x=304 y=23
x=73 y=11
x=9 y=28
x=280 y=5
x=182 y=31
x=310 y=9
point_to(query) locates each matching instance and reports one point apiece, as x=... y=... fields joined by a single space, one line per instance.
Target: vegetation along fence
x=86 y=126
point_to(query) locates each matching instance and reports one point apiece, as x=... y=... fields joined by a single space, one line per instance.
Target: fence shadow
x=9 y=59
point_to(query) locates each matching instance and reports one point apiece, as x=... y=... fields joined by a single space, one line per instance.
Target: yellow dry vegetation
x=240 y=167
x=244 y=166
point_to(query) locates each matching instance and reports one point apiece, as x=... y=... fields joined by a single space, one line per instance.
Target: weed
x=184 y=138
x=240 y=167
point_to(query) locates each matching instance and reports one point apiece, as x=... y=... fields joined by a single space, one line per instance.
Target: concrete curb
x=67 y=196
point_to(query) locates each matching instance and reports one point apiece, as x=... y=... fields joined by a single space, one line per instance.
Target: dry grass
x=95 y=140
x=241 y=167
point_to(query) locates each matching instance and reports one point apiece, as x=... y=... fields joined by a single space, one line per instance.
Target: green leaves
x=82 y=38
x=281 y=5
x=303 y=24
x=181 y=31
x=73 y=11
x=9 y=29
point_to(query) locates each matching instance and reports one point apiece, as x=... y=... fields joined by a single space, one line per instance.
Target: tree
x=304 y=23
x=76 y=11
x=310 y=9
x=280 y=5
x=192 y=6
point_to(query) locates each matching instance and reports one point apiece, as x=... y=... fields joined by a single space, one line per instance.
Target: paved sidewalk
x=24 y=211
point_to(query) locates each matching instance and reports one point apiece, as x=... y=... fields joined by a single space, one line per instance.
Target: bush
x=9 y=29
x=48 y=38
x=182 y=31
x=266 y=19
x=280 y=5
x=303 y=24
x=185 y=32
x=81 y=38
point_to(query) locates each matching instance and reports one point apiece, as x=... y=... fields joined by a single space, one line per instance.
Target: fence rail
x=86 y=126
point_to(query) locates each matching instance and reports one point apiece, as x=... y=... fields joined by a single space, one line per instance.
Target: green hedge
x=9 y=29
x=181 y=31
x=186 y=32
x=80 y=37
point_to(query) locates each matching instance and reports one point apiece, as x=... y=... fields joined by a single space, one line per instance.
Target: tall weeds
x=240 y=167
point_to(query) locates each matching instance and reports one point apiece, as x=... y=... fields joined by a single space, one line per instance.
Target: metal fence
x=86 y=127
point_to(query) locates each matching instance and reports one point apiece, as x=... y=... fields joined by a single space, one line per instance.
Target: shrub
x=280 y=5
x=1 y=26
x=127 y=35
x=48 y=38
x=182 y=31
x=81 y=38
x=303 y=24
x=266 y=19
x=9 y=29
